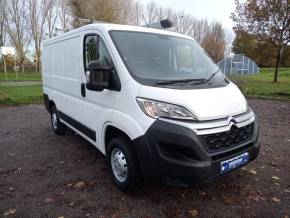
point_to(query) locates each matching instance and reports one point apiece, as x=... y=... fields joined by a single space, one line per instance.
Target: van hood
x=205 y=104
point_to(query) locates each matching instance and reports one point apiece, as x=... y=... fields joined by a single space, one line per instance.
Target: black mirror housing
x=98 y=75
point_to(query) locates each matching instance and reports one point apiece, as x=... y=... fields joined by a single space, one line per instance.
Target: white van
x=152 y=101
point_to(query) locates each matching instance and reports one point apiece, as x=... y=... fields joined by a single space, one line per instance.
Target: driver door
x=97 y=105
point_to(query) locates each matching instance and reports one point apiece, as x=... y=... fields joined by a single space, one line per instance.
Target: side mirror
x=98 y=75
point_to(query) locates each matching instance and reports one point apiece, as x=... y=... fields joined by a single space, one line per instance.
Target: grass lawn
x=21 y=76
x=262 y=85
x=18 y=95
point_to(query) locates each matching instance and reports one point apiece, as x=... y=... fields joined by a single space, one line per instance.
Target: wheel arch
x=48 y=102
x=124 y=125
x=112 y=131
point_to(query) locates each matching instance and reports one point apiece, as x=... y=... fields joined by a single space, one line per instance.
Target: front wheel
x=58 y=127
x=123 y=164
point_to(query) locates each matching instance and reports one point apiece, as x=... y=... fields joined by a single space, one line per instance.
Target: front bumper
x=172 y=154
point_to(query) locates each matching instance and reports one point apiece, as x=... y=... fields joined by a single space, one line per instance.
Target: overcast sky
x=218 y=10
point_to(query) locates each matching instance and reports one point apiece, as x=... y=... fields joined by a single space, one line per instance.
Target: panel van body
x=152 y=101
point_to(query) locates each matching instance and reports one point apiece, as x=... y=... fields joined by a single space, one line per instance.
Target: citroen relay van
x=152 y=101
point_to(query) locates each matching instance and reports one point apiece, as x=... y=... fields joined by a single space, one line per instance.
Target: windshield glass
x=155 y=58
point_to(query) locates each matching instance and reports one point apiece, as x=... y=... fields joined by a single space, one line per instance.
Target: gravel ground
x=45 y=175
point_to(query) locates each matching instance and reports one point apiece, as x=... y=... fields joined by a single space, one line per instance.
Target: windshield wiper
x=209 y=79
x=170 y=82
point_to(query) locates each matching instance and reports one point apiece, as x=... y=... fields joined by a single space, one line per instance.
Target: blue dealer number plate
x=235 y=162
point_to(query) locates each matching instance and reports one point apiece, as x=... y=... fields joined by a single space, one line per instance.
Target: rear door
x=97 y=105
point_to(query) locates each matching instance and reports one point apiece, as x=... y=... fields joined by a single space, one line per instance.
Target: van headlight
x=156 y=109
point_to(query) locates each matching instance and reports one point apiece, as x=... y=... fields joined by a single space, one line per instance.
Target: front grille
x=223 y=140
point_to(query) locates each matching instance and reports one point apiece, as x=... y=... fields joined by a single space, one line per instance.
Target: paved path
x=20 y=83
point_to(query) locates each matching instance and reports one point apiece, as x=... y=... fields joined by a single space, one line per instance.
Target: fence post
x=225 y=66
x=16 y=73
x=243 y=65
x=5 y=68
x=231 y=65
x=253 y=67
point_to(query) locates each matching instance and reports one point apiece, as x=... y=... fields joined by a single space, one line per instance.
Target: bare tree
x=94 y=10
x=16 y=23
x=229 y=38
x=65 y=16
x=184 y=23
x=151 y=12
x=214 y=42
x=269 y=20
x=51 y=17
x=138 y=12
x=38 y=10
x=2 y=22
x=200 y=30
x=123 y=10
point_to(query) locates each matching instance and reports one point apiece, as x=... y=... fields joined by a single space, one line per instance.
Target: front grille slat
x=223 y=140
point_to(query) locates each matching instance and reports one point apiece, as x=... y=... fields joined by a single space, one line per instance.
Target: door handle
x=83 y=89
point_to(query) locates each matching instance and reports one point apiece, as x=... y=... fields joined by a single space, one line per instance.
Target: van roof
x=105 y=27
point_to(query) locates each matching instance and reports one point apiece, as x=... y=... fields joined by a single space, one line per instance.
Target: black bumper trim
x=172 y=152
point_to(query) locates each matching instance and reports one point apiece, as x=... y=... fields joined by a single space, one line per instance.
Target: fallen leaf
x=273 y=164
x=79 y=184
x=287 y=191
x=275 y=178
x=227 y=199
x=193 y=212
x=201 y=192
x=71 y=204
x=9 y=212
x=69 y=185
x=276 y=200
x=48 y=200
x=255 y=195
x=11 y=155
x=254 y=172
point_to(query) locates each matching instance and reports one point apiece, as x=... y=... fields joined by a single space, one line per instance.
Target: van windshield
x=156 y=59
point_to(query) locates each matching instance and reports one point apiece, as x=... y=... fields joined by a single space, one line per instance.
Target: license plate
x=235 y=162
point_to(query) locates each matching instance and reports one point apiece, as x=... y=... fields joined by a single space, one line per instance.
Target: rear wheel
x=123 y=164
x=58 y=127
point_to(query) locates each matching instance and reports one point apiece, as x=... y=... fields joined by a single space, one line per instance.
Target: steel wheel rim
x=54 y=120
x=119 y=165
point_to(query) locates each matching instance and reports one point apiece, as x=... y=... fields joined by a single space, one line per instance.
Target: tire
x=121 y=158
x=58 y=127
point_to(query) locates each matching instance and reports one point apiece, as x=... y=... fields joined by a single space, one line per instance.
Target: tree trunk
x=277 y=64
x=36 y=57
x=38 y=60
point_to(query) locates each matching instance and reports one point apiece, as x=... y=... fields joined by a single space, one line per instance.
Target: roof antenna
x=162 y=24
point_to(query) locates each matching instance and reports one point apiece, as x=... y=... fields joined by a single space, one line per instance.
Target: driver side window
x=90 y=49
x=95 y=50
